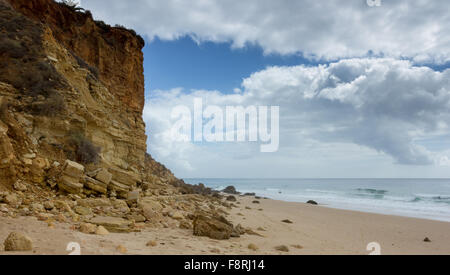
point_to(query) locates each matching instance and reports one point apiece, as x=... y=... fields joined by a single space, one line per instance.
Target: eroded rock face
x=98 y=85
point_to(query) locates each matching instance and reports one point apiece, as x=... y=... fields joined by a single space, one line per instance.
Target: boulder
x=101 y=231
x=20 y=186
x=104 y=176
x=96 y=202
x=88 y=228
x=82 y=210
x=150 y=214
x=230 y=190
x=18 y=242
x=312 y=202
x=96 y=185
x=124 y=177
x=69 y=185
x=119 y=187
x=133 y=197
x=73 y=169
x=112 y=224
x=217 y=227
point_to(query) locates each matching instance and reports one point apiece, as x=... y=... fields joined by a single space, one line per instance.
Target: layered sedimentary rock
x=72 y=137
x=100 y=74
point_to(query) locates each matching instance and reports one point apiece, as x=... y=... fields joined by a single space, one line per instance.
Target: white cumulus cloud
x=360 y=106
x=331 y=29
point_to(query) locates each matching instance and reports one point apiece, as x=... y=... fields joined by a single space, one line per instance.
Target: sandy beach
x=314 y=230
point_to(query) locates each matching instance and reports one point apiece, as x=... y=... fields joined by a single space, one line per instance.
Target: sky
x=363 y=91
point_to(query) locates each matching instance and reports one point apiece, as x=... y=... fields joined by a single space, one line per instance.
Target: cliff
x=72 y=138
x=65 y=74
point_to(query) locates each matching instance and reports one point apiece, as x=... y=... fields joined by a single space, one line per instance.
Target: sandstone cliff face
x=72 y=138
x=97 y=74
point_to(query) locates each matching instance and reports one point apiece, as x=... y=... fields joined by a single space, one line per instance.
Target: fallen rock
x=252 y=247
x=18 y=242
x=286 y=221
x=82 y=211
x=101 y=231
x=133 y=197
x=238 y=230
x=96 y=185
x=230 y=190
x=112 y=224
x=231 y=198
x=20 y=186
x=297 y=246
x=48 y=205
x=122 y=249
x=256 y=202
x=213 y=227
x=282 y=248
x=104 y=176
x=11 y=199
x=37 y=207
x=427 y=240
x=152 y=244
x=70 y=185
x=185 y=224
x=177 y=215
x=88 y=228
x=312 y=202
x=73 y=169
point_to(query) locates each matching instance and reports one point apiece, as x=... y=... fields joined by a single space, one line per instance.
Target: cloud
x=329 y=30
x=377 y=105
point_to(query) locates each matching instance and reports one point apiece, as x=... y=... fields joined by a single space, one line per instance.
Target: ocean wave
x=372 y=191
x=431 y=198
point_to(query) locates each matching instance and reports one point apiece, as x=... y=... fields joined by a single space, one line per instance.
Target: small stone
x=287 y=221
x=256 y=202
x=4 y=209
x=215 y=250
x=282 y=248
x=48 y=205
x=297 y=246
x=185 y=224
x=88 y=228
x=177 y=215
x=312 y=202
x=18 y=242
x=37 y=207
x=427 y=240
x=252 y=247
x=122 y=249
x=11 y=199
x=152 y=244
x=101 y=231
x=20 y=186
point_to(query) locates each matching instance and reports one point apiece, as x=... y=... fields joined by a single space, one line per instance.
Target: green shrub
x=86 y=152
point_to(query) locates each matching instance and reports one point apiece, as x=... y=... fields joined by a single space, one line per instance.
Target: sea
x=418 y=198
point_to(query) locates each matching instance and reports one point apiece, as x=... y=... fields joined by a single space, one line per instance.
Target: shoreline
x=315 y=230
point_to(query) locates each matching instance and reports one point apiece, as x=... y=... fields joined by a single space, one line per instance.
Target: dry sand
x=315 y=230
